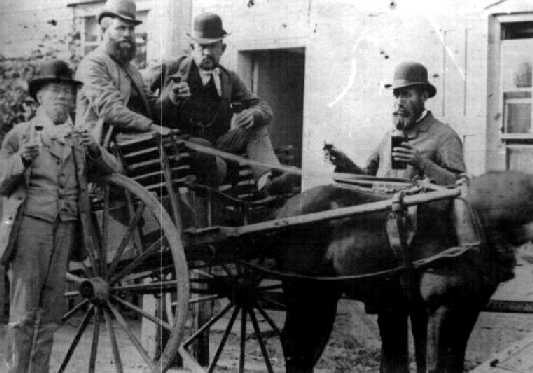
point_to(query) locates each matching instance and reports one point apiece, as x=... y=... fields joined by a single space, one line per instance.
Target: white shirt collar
x=205 y=75
x=422 y=116
x=54 y=131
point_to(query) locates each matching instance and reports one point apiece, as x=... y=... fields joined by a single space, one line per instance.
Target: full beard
x=121 y=51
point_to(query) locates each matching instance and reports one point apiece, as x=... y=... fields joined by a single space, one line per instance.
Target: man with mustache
x=430 y=148
x=44 y=166
x=212 y=104
x=114 y=93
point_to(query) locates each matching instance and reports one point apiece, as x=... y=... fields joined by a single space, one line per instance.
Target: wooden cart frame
x=139 y=246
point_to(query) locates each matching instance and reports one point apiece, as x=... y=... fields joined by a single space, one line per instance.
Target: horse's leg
x=419 y=326
x=310 y=314
x=394 y=349
x=449 y=330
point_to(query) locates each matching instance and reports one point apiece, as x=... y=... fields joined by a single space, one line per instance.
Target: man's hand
x=340 y=160
x=88 y=141
x=177 y=91
x=406 y=153
x=244 y=119
x=29 y=152
x=160 y=130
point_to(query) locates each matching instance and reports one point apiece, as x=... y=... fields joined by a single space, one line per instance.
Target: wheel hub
x=95 y=289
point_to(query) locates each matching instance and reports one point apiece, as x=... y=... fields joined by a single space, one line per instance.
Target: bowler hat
x=207 y=28
x=123 y=9
x=49 y=72
x=409 y=74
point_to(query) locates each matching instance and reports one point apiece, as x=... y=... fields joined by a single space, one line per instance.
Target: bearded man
x=113 y=92
x=429 y=148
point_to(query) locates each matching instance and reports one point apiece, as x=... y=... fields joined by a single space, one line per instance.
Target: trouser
x=213 y=170
x=260 y=149
x=37 y=302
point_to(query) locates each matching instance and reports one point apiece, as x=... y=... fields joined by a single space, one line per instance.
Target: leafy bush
x=15 y=103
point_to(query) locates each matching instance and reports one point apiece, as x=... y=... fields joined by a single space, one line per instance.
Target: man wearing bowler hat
x=113 y=92
x=430 y=148
x=44 y=165
x=211 y=103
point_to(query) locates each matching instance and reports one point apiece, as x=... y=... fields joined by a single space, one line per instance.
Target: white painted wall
x=346 y=44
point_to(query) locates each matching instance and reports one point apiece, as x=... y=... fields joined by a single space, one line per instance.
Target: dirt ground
x=353 y=346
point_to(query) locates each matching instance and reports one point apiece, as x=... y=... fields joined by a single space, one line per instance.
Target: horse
x=443 y=299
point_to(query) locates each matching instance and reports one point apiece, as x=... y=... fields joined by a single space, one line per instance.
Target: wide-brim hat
x=123 y=9
x=408 y=74
x=207 y=29
x=52 y=71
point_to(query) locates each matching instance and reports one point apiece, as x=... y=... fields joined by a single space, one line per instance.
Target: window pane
x=520 y=159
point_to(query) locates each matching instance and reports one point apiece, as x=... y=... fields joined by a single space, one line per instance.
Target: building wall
x=27 y=26
x=30 y=25
x=351 y=49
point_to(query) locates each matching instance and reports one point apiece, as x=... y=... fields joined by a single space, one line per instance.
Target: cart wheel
x=134 y=250
x=245 y=297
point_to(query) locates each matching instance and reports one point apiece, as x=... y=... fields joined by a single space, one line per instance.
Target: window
x=516 y=62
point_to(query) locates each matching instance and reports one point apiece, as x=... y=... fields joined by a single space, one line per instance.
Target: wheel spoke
x=144 y=314
x=153 y=287
x=259 y=337
x=151 y=250
x=204 y=299
x=224 y=339
x=148 y=273
x=124 y=325
x=208 y=324
x=127 y=237
x=269 y=287
x=113 y=339
x=96 y=338
x=269 y=320
x=273 y=302
x=76 y=339
x=243 y=340
x=105 y=231
x=73 y=293
x=74 y=309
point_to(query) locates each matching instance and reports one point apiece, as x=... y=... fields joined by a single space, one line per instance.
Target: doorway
x=277 y=76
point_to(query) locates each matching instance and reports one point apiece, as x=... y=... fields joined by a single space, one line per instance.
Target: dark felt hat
x=52 y=71
x=123 y=9
x=409 y=74
x=207 y=29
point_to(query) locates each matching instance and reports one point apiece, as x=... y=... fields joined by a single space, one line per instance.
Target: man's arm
x=12 y=167
x=449 y=164
x=260 y=110
x=105 y=99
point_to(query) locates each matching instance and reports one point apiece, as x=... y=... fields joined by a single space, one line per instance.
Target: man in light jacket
x=113 y=92
x=43 y=178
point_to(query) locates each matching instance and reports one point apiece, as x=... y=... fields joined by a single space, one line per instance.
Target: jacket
x=441 y=149
x=15 y=182
x=232 y=89
x=103 y=98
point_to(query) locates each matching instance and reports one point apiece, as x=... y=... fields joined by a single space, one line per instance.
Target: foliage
x=15 y=103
